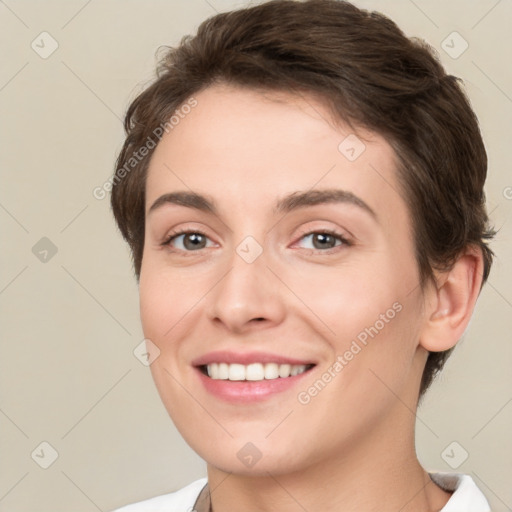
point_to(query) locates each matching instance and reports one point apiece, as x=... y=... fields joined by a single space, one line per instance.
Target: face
x=278 y=286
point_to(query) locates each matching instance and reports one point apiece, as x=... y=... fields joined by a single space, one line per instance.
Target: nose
x=249 y=296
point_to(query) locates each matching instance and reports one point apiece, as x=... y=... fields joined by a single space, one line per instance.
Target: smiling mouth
x=253 y=372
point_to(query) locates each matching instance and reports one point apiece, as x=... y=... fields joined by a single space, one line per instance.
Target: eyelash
x=344 y=241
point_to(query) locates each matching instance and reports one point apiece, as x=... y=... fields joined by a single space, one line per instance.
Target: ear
x=451 y=301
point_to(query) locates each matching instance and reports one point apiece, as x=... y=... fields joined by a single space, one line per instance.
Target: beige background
x=68 y=375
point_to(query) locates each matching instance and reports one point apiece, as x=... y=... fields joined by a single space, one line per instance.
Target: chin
x=241 y=457
x=261 y=468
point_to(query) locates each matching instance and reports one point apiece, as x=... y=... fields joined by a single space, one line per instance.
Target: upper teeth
x=255 y=371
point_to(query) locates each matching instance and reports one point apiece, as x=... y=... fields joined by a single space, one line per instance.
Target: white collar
x=466 y=497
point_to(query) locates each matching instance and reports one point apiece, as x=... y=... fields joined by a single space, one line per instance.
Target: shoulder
x=466 y=497
x=179 y=501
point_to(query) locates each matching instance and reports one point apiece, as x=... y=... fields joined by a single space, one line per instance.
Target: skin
x=352 y=446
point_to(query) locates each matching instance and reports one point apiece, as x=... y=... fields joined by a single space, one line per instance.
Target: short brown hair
x=370 y=75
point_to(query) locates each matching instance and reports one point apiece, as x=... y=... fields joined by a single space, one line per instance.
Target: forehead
x=248 y=146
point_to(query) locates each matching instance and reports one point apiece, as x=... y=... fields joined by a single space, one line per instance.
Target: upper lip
x=245 y=358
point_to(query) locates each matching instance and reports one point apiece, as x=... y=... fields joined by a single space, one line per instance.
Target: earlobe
x=451 y=303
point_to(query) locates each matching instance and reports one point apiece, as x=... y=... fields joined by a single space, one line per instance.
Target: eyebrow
x=289 y=203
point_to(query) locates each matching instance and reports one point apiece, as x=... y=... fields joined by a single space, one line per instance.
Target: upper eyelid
x=173 y=235
x=334 y=231
x=342 y=233
x=304 y=231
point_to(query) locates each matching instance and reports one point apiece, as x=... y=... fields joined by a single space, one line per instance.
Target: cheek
x=166 y=301
x=350 y=299
x=165 y=309
x=154 y=302
x=162 y=307
x=378 y=349
x=369 y=318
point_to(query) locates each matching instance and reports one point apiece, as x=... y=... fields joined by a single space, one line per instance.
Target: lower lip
x=248 y=391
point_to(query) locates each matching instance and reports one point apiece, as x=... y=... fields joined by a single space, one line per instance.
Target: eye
x=324 y=240
x=187 y=241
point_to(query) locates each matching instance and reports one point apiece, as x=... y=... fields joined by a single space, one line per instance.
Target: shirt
x=466 y=496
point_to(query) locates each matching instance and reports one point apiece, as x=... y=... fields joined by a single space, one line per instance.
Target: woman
x=302 y=192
